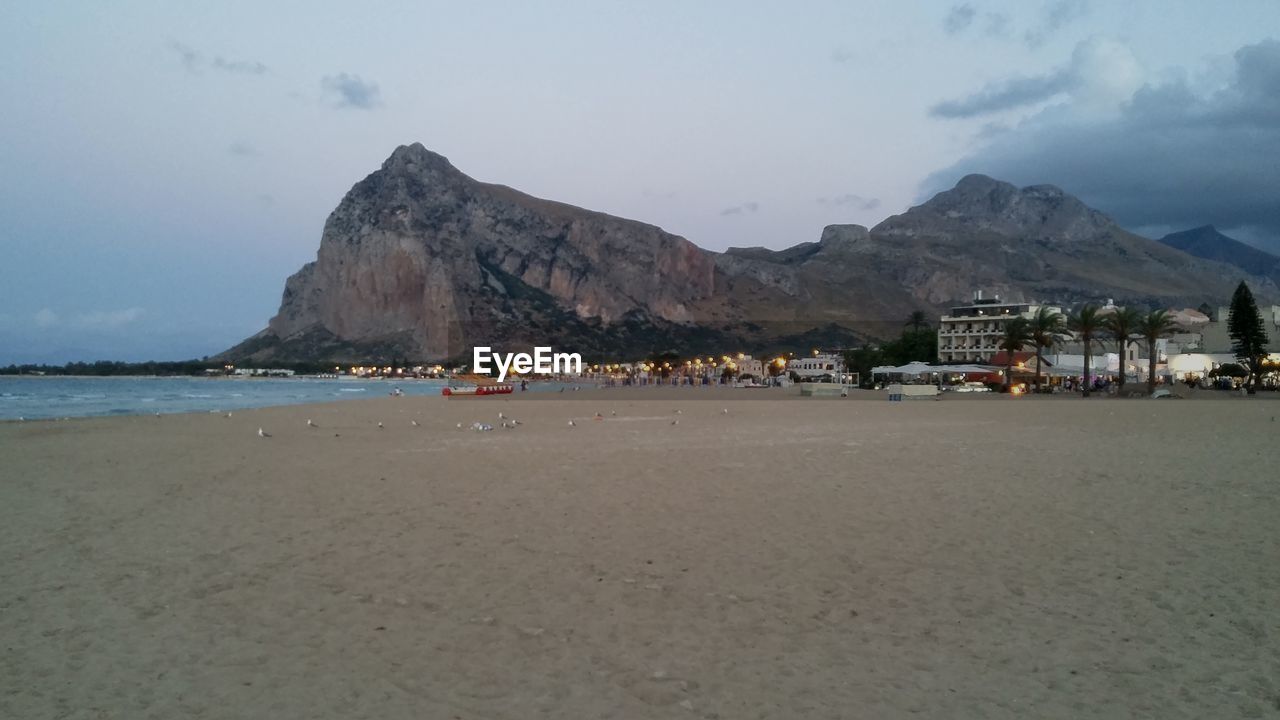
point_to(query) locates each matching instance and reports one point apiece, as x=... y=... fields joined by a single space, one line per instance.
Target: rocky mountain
x=1206 y=242
x=421 y=261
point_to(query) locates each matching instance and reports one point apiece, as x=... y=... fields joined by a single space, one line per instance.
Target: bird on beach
x=679 y=412
x=459 y=426
x=379 y=426
x=675 y=422
x=613 y=413
x=228 y=414
x=501 y=416
x=724 y=411
x=311 y=424
x=413 y=423
x=262 y=433
x=572 y=424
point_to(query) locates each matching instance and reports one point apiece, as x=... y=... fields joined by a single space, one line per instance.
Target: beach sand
x=979 y=557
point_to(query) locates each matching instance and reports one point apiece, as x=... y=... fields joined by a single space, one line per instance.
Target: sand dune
x=971 y=558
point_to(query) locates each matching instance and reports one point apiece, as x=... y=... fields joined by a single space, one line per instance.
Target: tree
x=1122 y=325
x=1045 y=329
x=1017 y=335
x=861 y=361
x=1153 y=326
x=917 y=321
x=1248 y=334
x=1086 y=323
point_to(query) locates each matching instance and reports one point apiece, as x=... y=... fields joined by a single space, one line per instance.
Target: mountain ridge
x=420 y=260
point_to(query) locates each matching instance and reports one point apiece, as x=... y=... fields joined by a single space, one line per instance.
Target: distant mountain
x=1206 y=242
x=420 y=261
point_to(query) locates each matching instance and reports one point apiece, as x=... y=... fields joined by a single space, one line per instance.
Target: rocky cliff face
x=421 y=261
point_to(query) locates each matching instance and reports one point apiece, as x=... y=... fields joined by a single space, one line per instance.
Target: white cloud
x=1101 y=75
x=108 y=319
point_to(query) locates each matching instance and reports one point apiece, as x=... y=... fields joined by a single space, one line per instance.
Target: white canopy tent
x=922 y=368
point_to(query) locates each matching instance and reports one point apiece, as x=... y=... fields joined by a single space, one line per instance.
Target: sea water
x=34 y=397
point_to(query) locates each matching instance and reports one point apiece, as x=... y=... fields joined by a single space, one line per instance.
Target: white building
x=817 y=365
x=971 y=333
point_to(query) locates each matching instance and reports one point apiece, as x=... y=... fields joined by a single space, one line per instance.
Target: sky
x=165 y=166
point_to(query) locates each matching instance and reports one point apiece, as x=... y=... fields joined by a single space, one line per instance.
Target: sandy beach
x=978 y=557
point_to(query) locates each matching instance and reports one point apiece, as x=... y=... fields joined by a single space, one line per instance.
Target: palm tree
x=1153 y=326
x=1086 y=323
x=1016 y=336
x=916 y=320
x=1122 y=325
x=1045 y=328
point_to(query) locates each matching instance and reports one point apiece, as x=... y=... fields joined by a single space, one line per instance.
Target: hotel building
x=971 y=333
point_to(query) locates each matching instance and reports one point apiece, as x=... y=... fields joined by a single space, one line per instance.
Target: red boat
x=476 y=385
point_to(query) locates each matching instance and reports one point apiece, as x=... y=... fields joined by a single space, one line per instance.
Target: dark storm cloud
x=195 y=62
x=1173 y=156
x=1006 y=95
x=958 y=18
x=350 y=91
x=744 y=208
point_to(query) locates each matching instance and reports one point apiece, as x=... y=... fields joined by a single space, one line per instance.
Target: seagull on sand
x=459 y=426
x=724 y=411
x=413 y=423
x=310 y=424
x=675 y=422
x=572 y=424
x=262 y=433
x=501 y=416
x=613 y=413
x=228 y=414
x=379 y=426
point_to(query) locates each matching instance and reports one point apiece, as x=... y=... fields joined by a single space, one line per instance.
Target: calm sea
x=55 y=397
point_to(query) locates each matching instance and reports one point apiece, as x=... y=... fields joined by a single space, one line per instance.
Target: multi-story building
x=971 y=333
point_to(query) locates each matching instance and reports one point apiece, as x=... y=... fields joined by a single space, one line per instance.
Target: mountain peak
x=979 y=202
x=1208 y=243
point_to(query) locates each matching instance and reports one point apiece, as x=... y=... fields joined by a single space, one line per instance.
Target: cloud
x=243 y=67
x=958 y=18
x=190 y=59
x=242 y=149
x=1170 y=154
x=1055 y=16
x=108 y=319
x=856 y=202
x=350 y=91
x=45 y=318
x=744 y=208
x=1100 y=71
x=842 y=55
x=194 y=62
